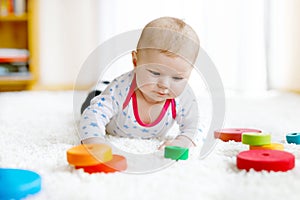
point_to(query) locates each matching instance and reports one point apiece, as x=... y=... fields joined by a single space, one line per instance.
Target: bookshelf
x=18 y=31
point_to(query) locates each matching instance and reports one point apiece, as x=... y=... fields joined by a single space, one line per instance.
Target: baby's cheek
x=177 y=88
x=145 y=80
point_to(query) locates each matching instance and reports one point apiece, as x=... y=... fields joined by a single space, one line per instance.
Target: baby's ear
x=134 y=58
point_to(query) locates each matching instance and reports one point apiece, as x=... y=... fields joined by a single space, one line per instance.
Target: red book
x=13 y=55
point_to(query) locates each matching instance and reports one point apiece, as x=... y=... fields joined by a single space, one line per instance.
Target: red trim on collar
x=132 y=94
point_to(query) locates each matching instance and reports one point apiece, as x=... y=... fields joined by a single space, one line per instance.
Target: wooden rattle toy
x=176 y=153
x=256 y=139
x=18 y=183
x=272 y=146
x=89 y=154
x=293 y=138
x=233 y=133
x=118 y=163
x=269 y=160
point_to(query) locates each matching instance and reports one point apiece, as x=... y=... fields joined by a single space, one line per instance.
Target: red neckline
x=137 y=116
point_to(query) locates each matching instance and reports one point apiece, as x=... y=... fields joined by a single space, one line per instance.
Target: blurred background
x=253 y=43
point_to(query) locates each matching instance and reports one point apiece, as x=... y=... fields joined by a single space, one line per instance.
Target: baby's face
x=159 y=76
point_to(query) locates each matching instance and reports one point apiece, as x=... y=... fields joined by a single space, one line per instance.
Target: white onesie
x=115 y=112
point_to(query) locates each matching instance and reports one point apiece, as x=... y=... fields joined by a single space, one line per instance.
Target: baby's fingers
x=165 y=143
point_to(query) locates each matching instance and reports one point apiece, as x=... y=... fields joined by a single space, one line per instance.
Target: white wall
x=71 y=29
x=68 y=34
x=285 y=45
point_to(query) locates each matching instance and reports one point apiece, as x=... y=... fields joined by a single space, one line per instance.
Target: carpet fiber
x=37 y=128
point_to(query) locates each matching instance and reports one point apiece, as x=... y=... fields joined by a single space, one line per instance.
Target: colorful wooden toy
x=256 y=139
x=176 y=153
x=18 y=183
x=118 y=163
x=89 y=154
x=234 y=134
x=272 y=146
x=269 y=160
x=293 y=138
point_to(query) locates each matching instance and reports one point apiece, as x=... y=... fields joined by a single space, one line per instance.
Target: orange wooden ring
x=118 y=163
x=235 y=134
x=89 y=154
x=272 y=146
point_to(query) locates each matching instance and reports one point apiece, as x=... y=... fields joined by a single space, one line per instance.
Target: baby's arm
x=187 y=118
x=188 y=121
x=96 y=116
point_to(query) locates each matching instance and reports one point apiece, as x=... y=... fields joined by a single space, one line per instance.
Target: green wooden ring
x=256 y=139
x=176 y=153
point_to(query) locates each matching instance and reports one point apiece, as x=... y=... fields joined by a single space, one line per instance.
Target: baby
x=145 y=102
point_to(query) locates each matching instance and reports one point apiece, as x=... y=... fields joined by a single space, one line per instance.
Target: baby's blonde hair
x=171 y=36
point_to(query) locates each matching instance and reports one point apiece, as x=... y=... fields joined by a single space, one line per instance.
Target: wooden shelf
x=12 y=17
x=15 y=80
x=21 y=32
x=14 y=83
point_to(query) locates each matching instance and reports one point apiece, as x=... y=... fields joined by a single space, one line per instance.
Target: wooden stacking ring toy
x=118 y=163
x=269 y=160
x=256 y=139
x=234 y=134
x=18 y=183
x=89 y=154
x=176 y=153
x=272 y=146
x=293 y=138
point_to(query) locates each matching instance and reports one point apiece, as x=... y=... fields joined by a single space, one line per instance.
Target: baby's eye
x=177 y=78
x=154 y=73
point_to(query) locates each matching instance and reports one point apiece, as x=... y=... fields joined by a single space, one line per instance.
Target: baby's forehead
x=155 y=59
x=154 y=55
x=169 y=41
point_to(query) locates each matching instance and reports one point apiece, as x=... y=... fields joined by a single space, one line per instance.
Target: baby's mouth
x=162 y=93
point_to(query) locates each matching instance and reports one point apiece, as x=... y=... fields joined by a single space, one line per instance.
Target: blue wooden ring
x=18 y=183
x=293 y=138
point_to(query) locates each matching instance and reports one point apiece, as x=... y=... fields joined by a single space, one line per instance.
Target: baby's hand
x=180 y=141
x=93 y=140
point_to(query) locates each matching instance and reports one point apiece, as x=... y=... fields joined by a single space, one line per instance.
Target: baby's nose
x=163 y=82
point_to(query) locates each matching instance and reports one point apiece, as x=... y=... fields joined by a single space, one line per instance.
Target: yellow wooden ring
x=272 y=146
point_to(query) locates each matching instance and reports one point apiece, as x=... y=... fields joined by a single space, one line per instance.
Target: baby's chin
x=159 y=99
x=153 y=96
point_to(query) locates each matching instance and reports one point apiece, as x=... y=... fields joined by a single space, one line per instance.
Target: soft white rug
x=37 y=128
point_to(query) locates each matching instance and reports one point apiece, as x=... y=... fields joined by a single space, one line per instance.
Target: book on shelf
x=12 y=7
x=13 y=55
x=14 y=69
x=14 y=62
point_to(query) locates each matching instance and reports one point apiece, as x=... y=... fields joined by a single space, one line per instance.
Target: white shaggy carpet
x=37 y=128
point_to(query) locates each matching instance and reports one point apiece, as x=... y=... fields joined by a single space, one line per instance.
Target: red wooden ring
x=269 y=160
x=118 y=163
